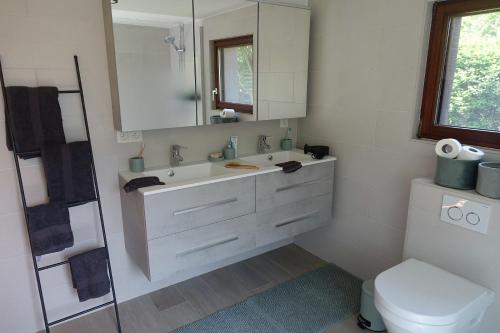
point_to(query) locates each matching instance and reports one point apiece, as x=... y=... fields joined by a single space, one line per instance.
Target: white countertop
x=216 y=171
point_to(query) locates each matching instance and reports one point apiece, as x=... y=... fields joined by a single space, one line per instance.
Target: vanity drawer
x=283 y=222
x=176 y=211
x=278 y=188
x=201 y=246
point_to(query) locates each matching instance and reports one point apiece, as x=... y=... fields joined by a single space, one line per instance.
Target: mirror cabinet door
x=283 y=61
x=226 y=58
x=154 y=52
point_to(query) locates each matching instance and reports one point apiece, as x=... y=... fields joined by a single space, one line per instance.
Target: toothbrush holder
x=286 y=144
x=136 y=164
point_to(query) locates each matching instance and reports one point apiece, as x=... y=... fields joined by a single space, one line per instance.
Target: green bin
x=369 y=318
x=457 y=174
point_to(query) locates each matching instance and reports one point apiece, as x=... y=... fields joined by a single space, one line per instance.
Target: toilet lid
x=425 y=294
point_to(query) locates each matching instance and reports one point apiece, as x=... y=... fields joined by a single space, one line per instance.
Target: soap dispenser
x=229 y=152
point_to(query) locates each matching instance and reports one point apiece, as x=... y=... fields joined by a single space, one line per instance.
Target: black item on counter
x=136 y=183
x=317 y=152
x=290 y=166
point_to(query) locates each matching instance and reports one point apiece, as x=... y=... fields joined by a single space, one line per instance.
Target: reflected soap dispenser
x=286 y=143
x=234 y=144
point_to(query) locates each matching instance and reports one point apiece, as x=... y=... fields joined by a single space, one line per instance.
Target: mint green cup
x=136 y=164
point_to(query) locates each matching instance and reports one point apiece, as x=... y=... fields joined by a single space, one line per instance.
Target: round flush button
x=473 y=218
x=455 y=213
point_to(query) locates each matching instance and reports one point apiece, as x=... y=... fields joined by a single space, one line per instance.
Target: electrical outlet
x=126 y=137
x=284 y=123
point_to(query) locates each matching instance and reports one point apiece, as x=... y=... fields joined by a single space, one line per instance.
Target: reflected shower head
x=171 y=40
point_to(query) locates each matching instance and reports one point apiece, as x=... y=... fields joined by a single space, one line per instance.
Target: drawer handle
x=202 y=207
x=295 y=220
x=208 y=246
x=289 y=187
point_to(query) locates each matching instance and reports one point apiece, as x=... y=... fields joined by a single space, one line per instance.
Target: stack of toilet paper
x=453 y=149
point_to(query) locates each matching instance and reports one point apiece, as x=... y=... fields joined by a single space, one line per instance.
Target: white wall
x=37 y=43
x=366 y=72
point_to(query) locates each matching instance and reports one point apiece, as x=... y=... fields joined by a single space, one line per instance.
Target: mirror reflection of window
x=233 y=73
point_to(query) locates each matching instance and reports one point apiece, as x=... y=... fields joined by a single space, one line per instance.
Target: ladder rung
x=81 y=313
x=69 y=91
x=53 y=265
x=79 y=203
x=28 y=154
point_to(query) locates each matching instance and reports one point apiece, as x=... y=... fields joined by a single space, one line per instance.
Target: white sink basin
x=188 y=172
x=267 y=160
x=196 y=174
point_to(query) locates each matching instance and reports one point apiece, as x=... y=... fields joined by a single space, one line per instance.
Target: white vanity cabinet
x=191 y=229
x=290 y=204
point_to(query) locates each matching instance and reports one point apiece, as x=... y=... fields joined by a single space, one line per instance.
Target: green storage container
x=369 y=318
x=488 y=181
x=457 y=174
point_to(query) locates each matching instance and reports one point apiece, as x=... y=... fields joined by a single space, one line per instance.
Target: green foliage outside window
x=245 y=73
x=475 y=98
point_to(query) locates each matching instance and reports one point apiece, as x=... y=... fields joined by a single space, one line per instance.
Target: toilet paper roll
x=228 y=113
x=469 y=153
x=448 y=148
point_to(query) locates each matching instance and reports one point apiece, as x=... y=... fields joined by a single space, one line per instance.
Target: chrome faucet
x=262 y=145
x=175 y=155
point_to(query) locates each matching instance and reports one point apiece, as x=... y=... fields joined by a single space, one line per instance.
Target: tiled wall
x=366 y=69
x=37 y=42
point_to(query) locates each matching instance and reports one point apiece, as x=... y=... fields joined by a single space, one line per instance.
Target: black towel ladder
x=49 y=324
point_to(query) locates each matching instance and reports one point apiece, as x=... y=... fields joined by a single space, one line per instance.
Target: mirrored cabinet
x=154 y=52
x=186 y=63
x=283 y=61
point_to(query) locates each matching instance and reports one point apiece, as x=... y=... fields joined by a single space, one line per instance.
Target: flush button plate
x=464 y=213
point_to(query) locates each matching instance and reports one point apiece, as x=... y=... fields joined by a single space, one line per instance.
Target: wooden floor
x=185 y=302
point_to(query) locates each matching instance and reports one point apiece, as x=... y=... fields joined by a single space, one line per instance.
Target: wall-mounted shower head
x=171 y=40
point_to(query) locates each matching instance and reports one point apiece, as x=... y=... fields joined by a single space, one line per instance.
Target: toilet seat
x=424 y=294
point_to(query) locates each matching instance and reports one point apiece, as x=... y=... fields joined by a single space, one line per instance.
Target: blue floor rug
x=311 y=303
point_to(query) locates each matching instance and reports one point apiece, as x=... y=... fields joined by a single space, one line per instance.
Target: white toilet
x=416 y=297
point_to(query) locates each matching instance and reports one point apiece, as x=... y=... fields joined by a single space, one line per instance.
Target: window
x=234 y=74
x=462 y=85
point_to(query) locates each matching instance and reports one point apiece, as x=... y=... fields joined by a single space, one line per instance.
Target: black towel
x=35 y=116
x=89 y=272
x=290 y=166
x=136 y=183
x=68 y=170
x=49 y=228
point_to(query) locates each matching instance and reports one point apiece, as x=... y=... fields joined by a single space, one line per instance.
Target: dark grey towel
x=36 y=119
x=290 y=166
x=89 y=272
x=49 y=228
x=68 y=170
x=136 y=183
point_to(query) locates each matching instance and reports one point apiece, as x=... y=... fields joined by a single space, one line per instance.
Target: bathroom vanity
x=206 y=213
